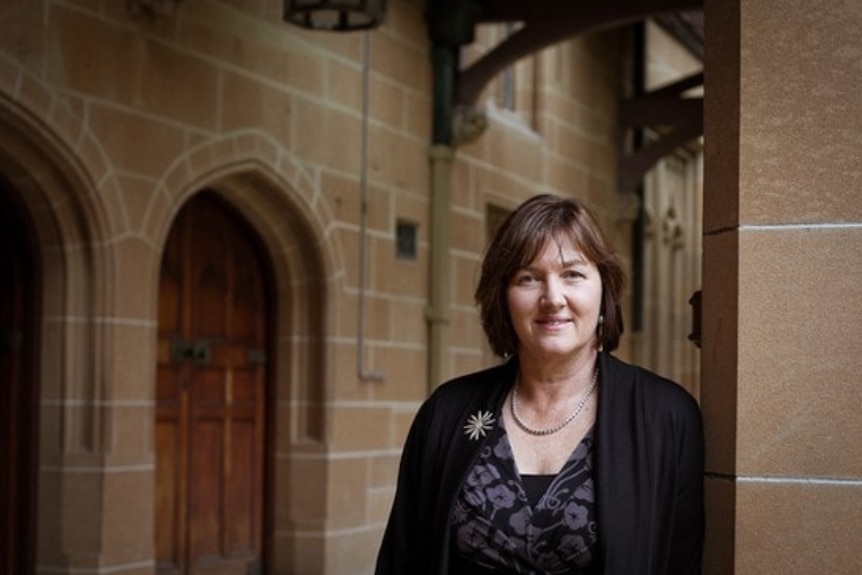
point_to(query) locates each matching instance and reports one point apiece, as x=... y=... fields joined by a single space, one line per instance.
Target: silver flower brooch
x=479 y=425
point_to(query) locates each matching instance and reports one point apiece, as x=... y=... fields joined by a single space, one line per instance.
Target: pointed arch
x=43 y=171
x=267 y=187
x=280 y=201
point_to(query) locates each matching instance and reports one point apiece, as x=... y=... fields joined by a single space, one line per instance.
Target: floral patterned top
x=496 y=528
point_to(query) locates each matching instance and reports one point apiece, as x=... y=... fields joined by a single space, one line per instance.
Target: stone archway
x=52 y=194
x=212 y=394
x=281 y=205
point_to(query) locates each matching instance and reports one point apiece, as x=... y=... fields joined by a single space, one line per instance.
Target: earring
x=599 y=330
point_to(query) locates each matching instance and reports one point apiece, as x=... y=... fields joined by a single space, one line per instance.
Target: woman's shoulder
x=474 y=384
x=652 y=388
x=454 y=400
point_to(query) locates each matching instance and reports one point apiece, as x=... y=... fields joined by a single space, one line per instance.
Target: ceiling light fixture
x=335 y=15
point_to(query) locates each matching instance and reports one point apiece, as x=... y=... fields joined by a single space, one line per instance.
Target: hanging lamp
x=335 y=15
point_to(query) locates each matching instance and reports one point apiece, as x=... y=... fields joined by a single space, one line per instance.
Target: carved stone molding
x=673 y=230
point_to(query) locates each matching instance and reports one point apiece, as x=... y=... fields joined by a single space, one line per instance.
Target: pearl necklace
x=562 y=424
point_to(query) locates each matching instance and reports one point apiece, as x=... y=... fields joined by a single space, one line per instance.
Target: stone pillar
x=782 y=286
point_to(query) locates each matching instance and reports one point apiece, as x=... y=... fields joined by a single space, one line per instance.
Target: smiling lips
x=553 y=322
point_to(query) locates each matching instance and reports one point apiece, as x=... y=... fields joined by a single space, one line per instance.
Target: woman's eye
x=573 y=274
x=525 y=279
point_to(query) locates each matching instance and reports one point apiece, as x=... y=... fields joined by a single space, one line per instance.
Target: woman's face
x=554 y=303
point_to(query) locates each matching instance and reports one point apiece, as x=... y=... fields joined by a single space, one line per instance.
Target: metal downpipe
x=441 y=155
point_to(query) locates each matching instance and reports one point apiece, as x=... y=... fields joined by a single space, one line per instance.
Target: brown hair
x=517 y=242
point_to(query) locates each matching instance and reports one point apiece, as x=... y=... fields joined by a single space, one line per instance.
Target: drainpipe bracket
x=436 y=318
x=469 y=122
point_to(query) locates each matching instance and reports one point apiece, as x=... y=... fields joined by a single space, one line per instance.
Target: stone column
x=782 y=286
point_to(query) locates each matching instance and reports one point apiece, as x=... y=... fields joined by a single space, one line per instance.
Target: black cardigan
x=649 y=473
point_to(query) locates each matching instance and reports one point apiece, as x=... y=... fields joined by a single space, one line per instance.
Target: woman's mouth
x=553 y=322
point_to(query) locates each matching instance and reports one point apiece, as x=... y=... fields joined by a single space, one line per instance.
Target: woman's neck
x=555 y=380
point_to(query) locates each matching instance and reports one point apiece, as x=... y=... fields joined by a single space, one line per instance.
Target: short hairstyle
x=518 y=241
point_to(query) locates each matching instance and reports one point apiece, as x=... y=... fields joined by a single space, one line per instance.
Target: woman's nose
x=553 y=293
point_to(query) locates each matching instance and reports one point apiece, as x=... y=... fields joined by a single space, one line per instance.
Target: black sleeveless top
x=533 y=525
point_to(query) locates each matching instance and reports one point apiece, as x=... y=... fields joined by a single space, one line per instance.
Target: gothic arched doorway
x=211 y=394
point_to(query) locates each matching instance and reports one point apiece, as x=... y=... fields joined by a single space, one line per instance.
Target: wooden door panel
x=209 y=278
x=169 y=496
x=246 y=301
x=171 y=467
x=207 y=450
x=210 y=396
x=243 y=512
x=245 y=389
x=208 y=389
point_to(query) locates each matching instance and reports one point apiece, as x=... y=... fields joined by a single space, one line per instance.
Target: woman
x=564 y=459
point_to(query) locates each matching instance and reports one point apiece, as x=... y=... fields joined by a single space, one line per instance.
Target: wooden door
x=17 y=392
x=211 y=398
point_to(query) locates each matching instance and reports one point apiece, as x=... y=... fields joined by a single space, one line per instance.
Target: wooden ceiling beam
x=546 y=22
